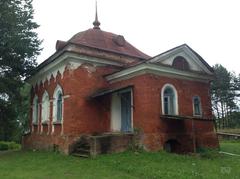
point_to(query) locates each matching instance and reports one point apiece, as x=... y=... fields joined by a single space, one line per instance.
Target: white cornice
x=158 y=70
x=66 y=60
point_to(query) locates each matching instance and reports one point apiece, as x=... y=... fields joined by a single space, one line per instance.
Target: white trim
x=66 y=60
x=184 y=51
x=45 y=104
x=62 y=126
x=38 y=121
x=176 y=112
x=156 y=69
x=57 y=90
x=66 y=96
x=115 y=122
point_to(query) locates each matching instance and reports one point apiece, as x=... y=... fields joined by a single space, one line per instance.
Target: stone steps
x=80 y=155
x=82 y=148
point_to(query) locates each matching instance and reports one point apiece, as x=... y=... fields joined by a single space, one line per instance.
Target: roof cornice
x=59 y=64
x=146 y=68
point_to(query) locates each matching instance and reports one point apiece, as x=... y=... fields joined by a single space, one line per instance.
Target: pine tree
x=224 y=95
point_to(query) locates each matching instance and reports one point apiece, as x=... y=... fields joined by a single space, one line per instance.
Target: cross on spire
x=96 y=23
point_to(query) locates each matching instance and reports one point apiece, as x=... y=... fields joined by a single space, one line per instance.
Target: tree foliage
x=225 y=92
x=19 y=47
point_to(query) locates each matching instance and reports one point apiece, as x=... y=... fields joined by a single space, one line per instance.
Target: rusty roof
x=103 y=40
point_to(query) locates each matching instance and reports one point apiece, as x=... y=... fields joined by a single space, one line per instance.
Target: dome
x=107 y=41
x=102 y=40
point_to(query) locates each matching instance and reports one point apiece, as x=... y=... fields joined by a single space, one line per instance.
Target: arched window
x=35 y=110
x=169 y=100
x=58 y=104
x=180 y=63
x=197 y=111
x=45 y=107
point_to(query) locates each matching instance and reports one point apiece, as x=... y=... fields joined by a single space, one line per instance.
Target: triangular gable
x=162 y=64
x=195 y=61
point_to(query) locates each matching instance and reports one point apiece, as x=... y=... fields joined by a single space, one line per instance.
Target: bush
x=208 y=153
x=9 y=146
x=3 y=146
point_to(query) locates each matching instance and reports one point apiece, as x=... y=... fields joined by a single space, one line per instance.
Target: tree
x=19 y=47
x=224 y=92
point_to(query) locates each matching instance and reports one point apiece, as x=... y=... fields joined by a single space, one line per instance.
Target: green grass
x=41 y=165
x=230 y=146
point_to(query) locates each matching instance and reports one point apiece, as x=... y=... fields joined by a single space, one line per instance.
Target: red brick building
x=97 y=90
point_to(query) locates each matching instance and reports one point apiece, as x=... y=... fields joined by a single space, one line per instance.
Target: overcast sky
x=210 y=27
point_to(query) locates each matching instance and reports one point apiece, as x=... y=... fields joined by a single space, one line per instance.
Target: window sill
x=45 y=123
x=57 y=123
x=197 y=116
x=178 y=117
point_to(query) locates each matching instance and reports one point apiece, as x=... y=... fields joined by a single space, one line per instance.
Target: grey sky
x=210 y=27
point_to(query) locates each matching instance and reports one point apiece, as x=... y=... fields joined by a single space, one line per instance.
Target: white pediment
x=194 y=61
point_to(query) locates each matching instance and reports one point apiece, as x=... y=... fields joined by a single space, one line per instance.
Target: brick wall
x=81 y=115
x=147 y=111
x=85 y=116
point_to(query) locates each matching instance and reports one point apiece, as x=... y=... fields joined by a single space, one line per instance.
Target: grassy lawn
x=230 y=146
x=44 y=165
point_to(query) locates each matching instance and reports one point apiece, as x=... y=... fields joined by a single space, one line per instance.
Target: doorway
x=121 y=111
x=172 y=146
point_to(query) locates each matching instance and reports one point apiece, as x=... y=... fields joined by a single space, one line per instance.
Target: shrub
x=9 y=146
x=208 y=153
x=3 y=146
x=13 y=146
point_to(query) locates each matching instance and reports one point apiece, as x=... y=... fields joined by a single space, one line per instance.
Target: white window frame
x=35 y=110
x=45 y=107
x=200 y=106
x=57 y=90
x=175 y=102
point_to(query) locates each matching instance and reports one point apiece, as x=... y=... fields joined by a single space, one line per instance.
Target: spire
x=96 y=23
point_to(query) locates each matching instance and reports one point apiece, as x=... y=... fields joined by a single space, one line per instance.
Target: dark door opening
x=172 y=146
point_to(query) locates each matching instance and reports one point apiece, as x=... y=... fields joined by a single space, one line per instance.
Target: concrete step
x=82 y=147
x=81 y=150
